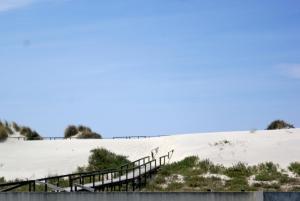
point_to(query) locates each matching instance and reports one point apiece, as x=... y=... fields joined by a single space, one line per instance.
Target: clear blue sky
x=132 y=67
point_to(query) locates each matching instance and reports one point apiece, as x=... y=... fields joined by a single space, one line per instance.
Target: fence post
x=133 y=178
x=46 y=187
x=145 y=174
x=93 y=181
x=29 y=187
x=70 y=184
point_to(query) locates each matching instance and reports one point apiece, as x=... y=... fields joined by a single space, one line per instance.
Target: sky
x=131 y=67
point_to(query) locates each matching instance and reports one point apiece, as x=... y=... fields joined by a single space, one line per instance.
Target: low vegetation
x=295 y=168
x=7 y=129
x=3 y=133
x=81 y=132
x=279 y=124
x=193 y=174
x=29 y=134
x=101 y=158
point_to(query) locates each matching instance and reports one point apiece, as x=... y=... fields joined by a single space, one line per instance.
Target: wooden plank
x=85 y=187
x=13 y=187
x=56 y=188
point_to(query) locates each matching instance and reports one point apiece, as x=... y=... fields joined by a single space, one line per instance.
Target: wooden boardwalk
x=128 y=177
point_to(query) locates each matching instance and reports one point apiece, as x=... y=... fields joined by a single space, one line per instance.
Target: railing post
x=126 y=179
x=140 y=178
x=93 y=181
x=46 y=187
x=139 y=170
x=150 y=172
x=133 y=170
x=111 y=177
x=29 y=187
x=70 y=184
x=133 y=178
x=145 y=174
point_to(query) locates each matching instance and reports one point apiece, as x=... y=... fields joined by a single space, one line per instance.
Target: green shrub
x=103 y=159
x=3 y=133
x=70 y=131
x=174 y=186
x=82 y=128
x=2 y=180
x=159 y=179
x=29 y=134
x=267 y=172
x=203 y=182
x=25 y=130
x=181 y=167
x=279 y=124
x=85 y=132
x=217 y=169
x=295 y=168
x=89 y=135
x=204 y=165
x=237 y=184
x=33 y=136
x=238 y=170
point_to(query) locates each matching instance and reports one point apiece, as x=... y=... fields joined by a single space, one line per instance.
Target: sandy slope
x=34 y=159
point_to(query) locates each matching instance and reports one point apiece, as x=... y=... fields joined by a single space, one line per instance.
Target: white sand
x=35 y=159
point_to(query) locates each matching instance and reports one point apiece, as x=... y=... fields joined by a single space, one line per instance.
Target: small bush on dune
x=267 y=172
x=295 y=168
x=25 y=130
x=33 y=136
x=71 y=131
x=82 y=128
x=83 y=131
x=279 y=124
x=29 y=134
x=6 y=126
x=238 y=170
x=89 y=135
x=104 y=159
x=2 y=180
x=177 y=167
x=3 y=133
x=174 y=186
x=237 y=184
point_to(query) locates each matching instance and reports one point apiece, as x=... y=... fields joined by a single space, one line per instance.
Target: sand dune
x=35 y=159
